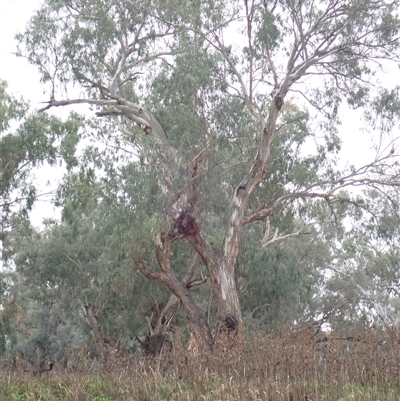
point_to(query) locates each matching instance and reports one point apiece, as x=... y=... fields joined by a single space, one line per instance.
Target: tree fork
x=157 y=335
x=197 y=323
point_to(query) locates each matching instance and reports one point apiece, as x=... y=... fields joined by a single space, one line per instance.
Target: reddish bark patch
x=184 y=226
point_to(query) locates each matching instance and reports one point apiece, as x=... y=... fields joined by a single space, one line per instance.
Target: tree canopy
x=215 y=142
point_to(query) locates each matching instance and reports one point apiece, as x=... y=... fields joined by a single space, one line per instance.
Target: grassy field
x=116 y=387
x=294 y=367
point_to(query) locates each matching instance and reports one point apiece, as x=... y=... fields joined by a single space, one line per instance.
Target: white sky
x=23 y=80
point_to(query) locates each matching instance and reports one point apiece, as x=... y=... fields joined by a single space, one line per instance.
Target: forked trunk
x=198 y=327
x=155 y=341
x=221 y=264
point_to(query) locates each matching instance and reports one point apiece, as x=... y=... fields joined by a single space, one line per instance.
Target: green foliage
x=8 y=313
x=224 y=106
x=28 y=140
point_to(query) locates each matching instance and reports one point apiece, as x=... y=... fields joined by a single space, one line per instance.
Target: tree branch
x=136 y=113
x=265 y=242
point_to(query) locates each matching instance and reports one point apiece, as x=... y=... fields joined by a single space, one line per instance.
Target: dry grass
x=293 y=367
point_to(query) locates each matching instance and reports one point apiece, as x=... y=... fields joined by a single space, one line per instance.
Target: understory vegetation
x=296 y=366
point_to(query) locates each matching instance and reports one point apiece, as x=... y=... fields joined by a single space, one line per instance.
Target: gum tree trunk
x=200 y=332
x=92 y=320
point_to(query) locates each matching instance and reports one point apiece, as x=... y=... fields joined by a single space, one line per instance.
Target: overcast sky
x=22 y=78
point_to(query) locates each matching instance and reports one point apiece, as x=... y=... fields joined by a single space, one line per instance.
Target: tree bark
x=155 y=340
x=226 y=296
x=197 y=323
x=93 y=322
x=221 y=265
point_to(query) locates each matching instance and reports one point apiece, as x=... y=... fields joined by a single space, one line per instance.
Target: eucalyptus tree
x=77 y=271
x=221 y=101
x=27 y=140
x=280 y=286
x=77 y=274
x=363 y=284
